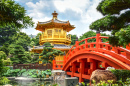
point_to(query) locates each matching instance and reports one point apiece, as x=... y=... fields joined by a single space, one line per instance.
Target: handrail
x=125 y=53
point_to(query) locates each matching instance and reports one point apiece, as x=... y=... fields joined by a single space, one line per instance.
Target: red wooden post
x=81 y=70
x=64 y=61
x=92 y=65
x=128 y=47
x=97 y=40
x=73 y=69
x=54 y=64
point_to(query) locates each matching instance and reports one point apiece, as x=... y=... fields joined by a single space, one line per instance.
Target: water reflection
x=36 y=83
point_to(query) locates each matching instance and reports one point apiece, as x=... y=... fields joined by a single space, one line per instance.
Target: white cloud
x=76 y=5
x=84 y=9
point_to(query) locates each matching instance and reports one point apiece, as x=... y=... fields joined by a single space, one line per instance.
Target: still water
x=36 y=83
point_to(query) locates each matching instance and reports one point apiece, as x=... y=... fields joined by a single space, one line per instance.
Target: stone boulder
x=58 y=75
x=102 y=75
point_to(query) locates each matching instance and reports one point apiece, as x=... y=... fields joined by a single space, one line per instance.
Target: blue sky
x=80 y=13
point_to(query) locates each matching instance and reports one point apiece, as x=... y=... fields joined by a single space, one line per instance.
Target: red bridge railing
x=98 y=46
x=123 y=54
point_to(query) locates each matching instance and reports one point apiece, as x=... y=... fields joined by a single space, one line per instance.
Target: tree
x=36 y=39
x=28 y=55
x=2 y=70
x=6 y=33
x=48 y=53
x=22 y=39
x=88 y=34
x=35 y=58
x=3 y=55
x=18 y=53
x=73 y=39
x=13 y=13
x=91 y=34
x=114 y=21
x=4 y=48
x=32 y=44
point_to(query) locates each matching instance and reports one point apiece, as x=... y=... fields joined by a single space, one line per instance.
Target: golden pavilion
x=55 y=32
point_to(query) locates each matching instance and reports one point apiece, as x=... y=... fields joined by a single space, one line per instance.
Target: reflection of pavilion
x=55 y=32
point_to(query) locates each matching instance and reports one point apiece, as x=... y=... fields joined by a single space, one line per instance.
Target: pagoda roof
x=60 y=46
x=54 y=22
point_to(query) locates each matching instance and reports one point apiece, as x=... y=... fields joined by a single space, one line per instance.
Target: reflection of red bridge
x=82 y=60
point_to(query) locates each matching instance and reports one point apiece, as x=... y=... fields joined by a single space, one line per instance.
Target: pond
x=35 y=83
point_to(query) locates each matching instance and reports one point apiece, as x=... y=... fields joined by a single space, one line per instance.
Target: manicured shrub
x=121 y=74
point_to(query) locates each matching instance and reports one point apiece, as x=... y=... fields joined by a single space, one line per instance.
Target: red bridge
x=82 y=60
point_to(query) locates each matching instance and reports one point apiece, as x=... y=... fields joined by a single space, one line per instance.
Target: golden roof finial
x=54 y=15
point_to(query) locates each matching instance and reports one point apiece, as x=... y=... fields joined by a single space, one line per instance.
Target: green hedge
x=31 y=73
x=121 y=74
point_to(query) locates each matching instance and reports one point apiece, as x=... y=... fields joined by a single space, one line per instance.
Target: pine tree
x=48 y=53
x=19 y=56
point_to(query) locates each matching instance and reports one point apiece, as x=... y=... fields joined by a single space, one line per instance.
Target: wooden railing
x=123 y=54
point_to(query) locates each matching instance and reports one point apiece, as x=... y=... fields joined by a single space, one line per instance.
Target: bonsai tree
x=49 y=53
x=116 y=19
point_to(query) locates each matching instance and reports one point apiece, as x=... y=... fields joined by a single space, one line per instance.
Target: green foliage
x=4 y=48
x=19 y=56
x=6 y=33
x=22 y=39
x=31 y=73
x=91 y=34
x=106 y=23
x=48 y=53
x=2 y=68
x=73 y=39
x=7 y=62
x=121 y=37
x=121 y=74
x=4 y=59
x=28 y=55
x=32 y=44
x=123 y=79
x=3 y=80
x=114 y=21
x=35 y=40
x=112 y=6
x=35 y=58
x=87 y=35
x=2 y=55
x=12 y=12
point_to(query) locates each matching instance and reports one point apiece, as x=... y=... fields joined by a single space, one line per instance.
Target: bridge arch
x=88 y=62
x=82 y=60
x=111 y=61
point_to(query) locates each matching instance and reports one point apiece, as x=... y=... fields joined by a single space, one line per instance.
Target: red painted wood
x=83 y=59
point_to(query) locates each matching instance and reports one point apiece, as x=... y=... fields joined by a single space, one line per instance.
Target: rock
x=71 y=81
x=110 y=68
x=102 y=75
x=58 y=75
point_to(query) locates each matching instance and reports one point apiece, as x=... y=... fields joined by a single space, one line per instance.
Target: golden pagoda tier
x=55 y=31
